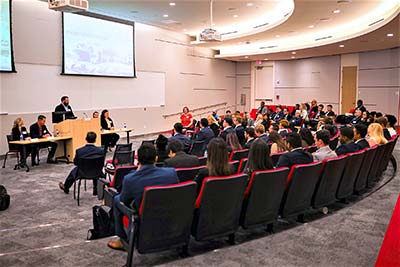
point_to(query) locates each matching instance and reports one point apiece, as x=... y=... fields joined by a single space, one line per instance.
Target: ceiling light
x=293 y=57
x=184 y=30
x=249 y=4
x=390 y=35
x=341 y=46
x=336 y=11
x=246 y=57
x=310 y=26
x=165 y=16
x=266 y=59
x=293 y=53
x=172 y=4
x=277 y=36
x=235 y=16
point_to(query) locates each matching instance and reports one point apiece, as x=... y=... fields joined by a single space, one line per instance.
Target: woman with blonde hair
x=375 y=135
x=19 y=132
x=213 y=124
x=259 y=120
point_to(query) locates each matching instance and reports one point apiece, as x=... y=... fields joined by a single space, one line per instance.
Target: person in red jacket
x=187 y=119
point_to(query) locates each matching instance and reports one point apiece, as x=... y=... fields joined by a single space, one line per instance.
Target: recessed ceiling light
x=336 y=11
x=249 y=4
x=246 y=57
x=311 y=26
x=390 y=35
x=266 y=59
x=235 y=16
x=293 y=53
x=293 y=57
x=165 y=16
x=184 y=30
x=277 y=36
x=172 y=4
x=341 y=45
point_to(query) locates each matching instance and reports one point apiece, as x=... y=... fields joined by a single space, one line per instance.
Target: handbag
x=4 y=198
x=103 y=223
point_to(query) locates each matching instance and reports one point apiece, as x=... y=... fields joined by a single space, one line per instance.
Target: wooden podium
x=77 y=129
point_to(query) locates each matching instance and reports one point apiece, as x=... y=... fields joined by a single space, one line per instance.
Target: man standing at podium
x=65 y=107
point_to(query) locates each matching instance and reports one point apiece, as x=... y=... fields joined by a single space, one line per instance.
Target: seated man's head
x=203 y=122
x=383 y=121
x=91 y=137
x=358 y=113
x=174 y=147
x=329 y=107
x=249 y=133
x=227 y=122
x=360 y=131
x=147 y=154
x=293 y=140
x=259 y=130
x=322 y=138
x=346 y=135
x=178 y=127
x=161 y=142
x=237 y=120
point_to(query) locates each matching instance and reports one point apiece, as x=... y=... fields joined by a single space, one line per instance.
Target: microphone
x=86 y=115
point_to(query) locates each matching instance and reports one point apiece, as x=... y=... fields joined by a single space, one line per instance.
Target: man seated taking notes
x=39 y=130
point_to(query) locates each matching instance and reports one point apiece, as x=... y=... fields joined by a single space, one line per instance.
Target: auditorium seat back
x=238 y=154
x=242 y=165
x=300 y=187
x=389 y=147
x=362 y=177
x=197 y=148
x=331 y=173
x=263 y=196
x=188 y=174
x=350 y=174
x=275 y=157
x=218 y=206
x=374 y=171
x=333 y=142
x=119 y=175
x=202 y=160
x=235 y=165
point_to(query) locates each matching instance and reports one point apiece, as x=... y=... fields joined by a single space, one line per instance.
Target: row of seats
x=225 y=203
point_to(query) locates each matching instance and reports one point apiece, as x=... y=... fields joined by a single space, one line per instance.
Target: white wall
x=193 y=77
x=243 y=77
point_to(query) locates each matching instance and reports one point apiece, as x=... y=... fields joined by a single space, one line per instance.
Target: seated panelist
x=108 y=140
x=19 y=132
x=39 y=130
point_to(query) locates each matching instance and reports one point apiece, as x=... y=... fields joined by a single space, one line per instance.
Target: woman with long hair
x=278 y=145
x=213 y=124
x=217 y=161
x=259 y=157
x=107 y=140
x=232 y=142
x=375 y=135
x=19 y=132
x=306 y=137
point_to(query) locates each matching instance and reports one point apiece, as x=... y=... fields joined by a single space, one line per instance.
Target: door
x=349 y=88
x=264 y=83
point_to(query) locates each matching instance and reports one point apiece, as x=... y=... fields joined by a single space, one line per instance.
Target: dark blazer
x=182 y=160
x=356 y=120
x=296 y=156
x=386 y=134
x=69 y=114
x=248 y=143
x=278 y=116
x=287 y=117
x=347 y=148
x=225 y=132
x=88 y=151
x=183 y=138
x=215 y=128
x=264 y=137
x=295 y=121
x=239 y=129
x=362 y=108
x=319 y=114
x=162 y=155
x=362 y=143
x=16 y=134
x=134 y=182
x=205 y=134
x=330 y=113
x=34 y=130
x=104 y=124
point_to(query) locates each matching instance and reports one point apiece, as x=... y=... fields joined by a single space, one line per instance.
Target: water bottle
x=57 y=132
x=205 y=153
x=21 y=137
x=124 y=125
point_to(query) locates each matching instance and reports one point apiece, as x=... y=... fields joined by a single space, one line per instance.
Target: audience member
x=286 y=115
x=232 y=142
x=205 y=134
x=360 y=106
x=133 y=186
x=95 y=115
x=178 y=135
x=357 y=117
x=262 y=109
x=296 y=119
x=296 y=155
x=278 y=145
x=273 y=127
x=161 y=148
x=187 y=119
x=322 y=141
x=383 y=121
x=346 y=142
x=329 y=111
x=213 y=124
x=107 y=140
x=89 y=151
x=391 y=123
x=215 y=115
x=266 y=121
x=178 y=158
x=228 y=114
x=259 y=120
x=320 y=112
x=248 y=119
x=18 y=133
x=249 y=134
x=227 y=124
x=239 y=129
x=284 y=127
x=297 y=107
x=365 y=118
x=306 y=137
x=314 y=106
x=278 y=114
x=39 y=130
x=360 y=131
x=260 y=133
x=259 y=158
x=303 y=112
x=375 y=135
x=217 y=162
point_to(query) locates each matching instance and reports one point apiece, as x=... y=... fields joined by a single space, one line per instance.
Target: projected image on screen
x=97 y=47
x=5 y=36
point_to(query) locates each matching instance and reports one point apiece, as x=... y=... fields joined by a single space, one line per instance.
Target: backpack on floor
x=103 y=223
x=4 y=198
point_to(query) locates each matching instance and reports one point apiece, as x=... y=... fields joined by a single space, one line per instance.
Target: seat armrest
x=129 y=212
x=109 y=193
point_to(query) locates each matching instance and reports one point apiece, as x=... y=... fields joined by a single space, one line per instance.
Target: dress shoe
x=52 y=161
x=116 y=245
x=62 y=187
x=34 y=163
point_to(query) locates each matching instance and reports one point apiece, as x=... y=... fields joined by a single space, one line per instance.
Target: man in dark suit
x=360 y=131
x=320 y=112
x=278 y=115
x=133 y=186
x=286 y=115
x=357 y=117
x=178 y=158
x=178 y=135
x=346 y=142
x=296 y=119
x=360 y=106
x=239 y=129
x=227 y=124
x=249 y=134
x=329 y=111
x=296 y=155
x=65 y=107
x=89 y=151
x=260 y=133
x=205 y=134
x=39 y=130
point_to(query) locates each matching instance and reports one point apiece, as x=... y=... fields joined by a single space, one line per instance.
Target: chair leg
x=79 y=190
x=231 y=239
x=5 y=159
x=184 y=252
x=131 y=249
x=74 y=189
x=85 y=184
x=270 y=228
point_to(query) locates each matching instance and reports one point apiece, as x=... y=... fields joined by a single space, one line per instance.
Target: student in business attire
x=39 y=130
x=320 y=112
x=214 y=125
x=249 y=135
x=346 y=142
x=278 y=145
x=187 y=119
x=134 y=184
x=217 y=162
x=278 y=114
x=375 y=135
x=286 y=115
x=391 y=123
x=360 y=106
x=178 y=135
x=260 y=133
x=384 y=122
x=262 y=109
x=161 y=148
x=360 y=131
x=296 y=154
x=107 y=140
x=205 y=134
x=329 y=111
x=178 y=158
x=227 y=124
x=306 y=137
x=296 y=119
x=248 y=119
x=65 y=107
x=259 y=158
x=88 y=151
x=19 y=132
x=232 y=142
x=357 y=117
x=322 y=141
x=239 y=129
x=283 y=127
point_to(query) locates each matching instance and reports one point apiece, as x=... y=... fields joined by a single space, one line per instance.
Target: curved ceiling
x=281 y=26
